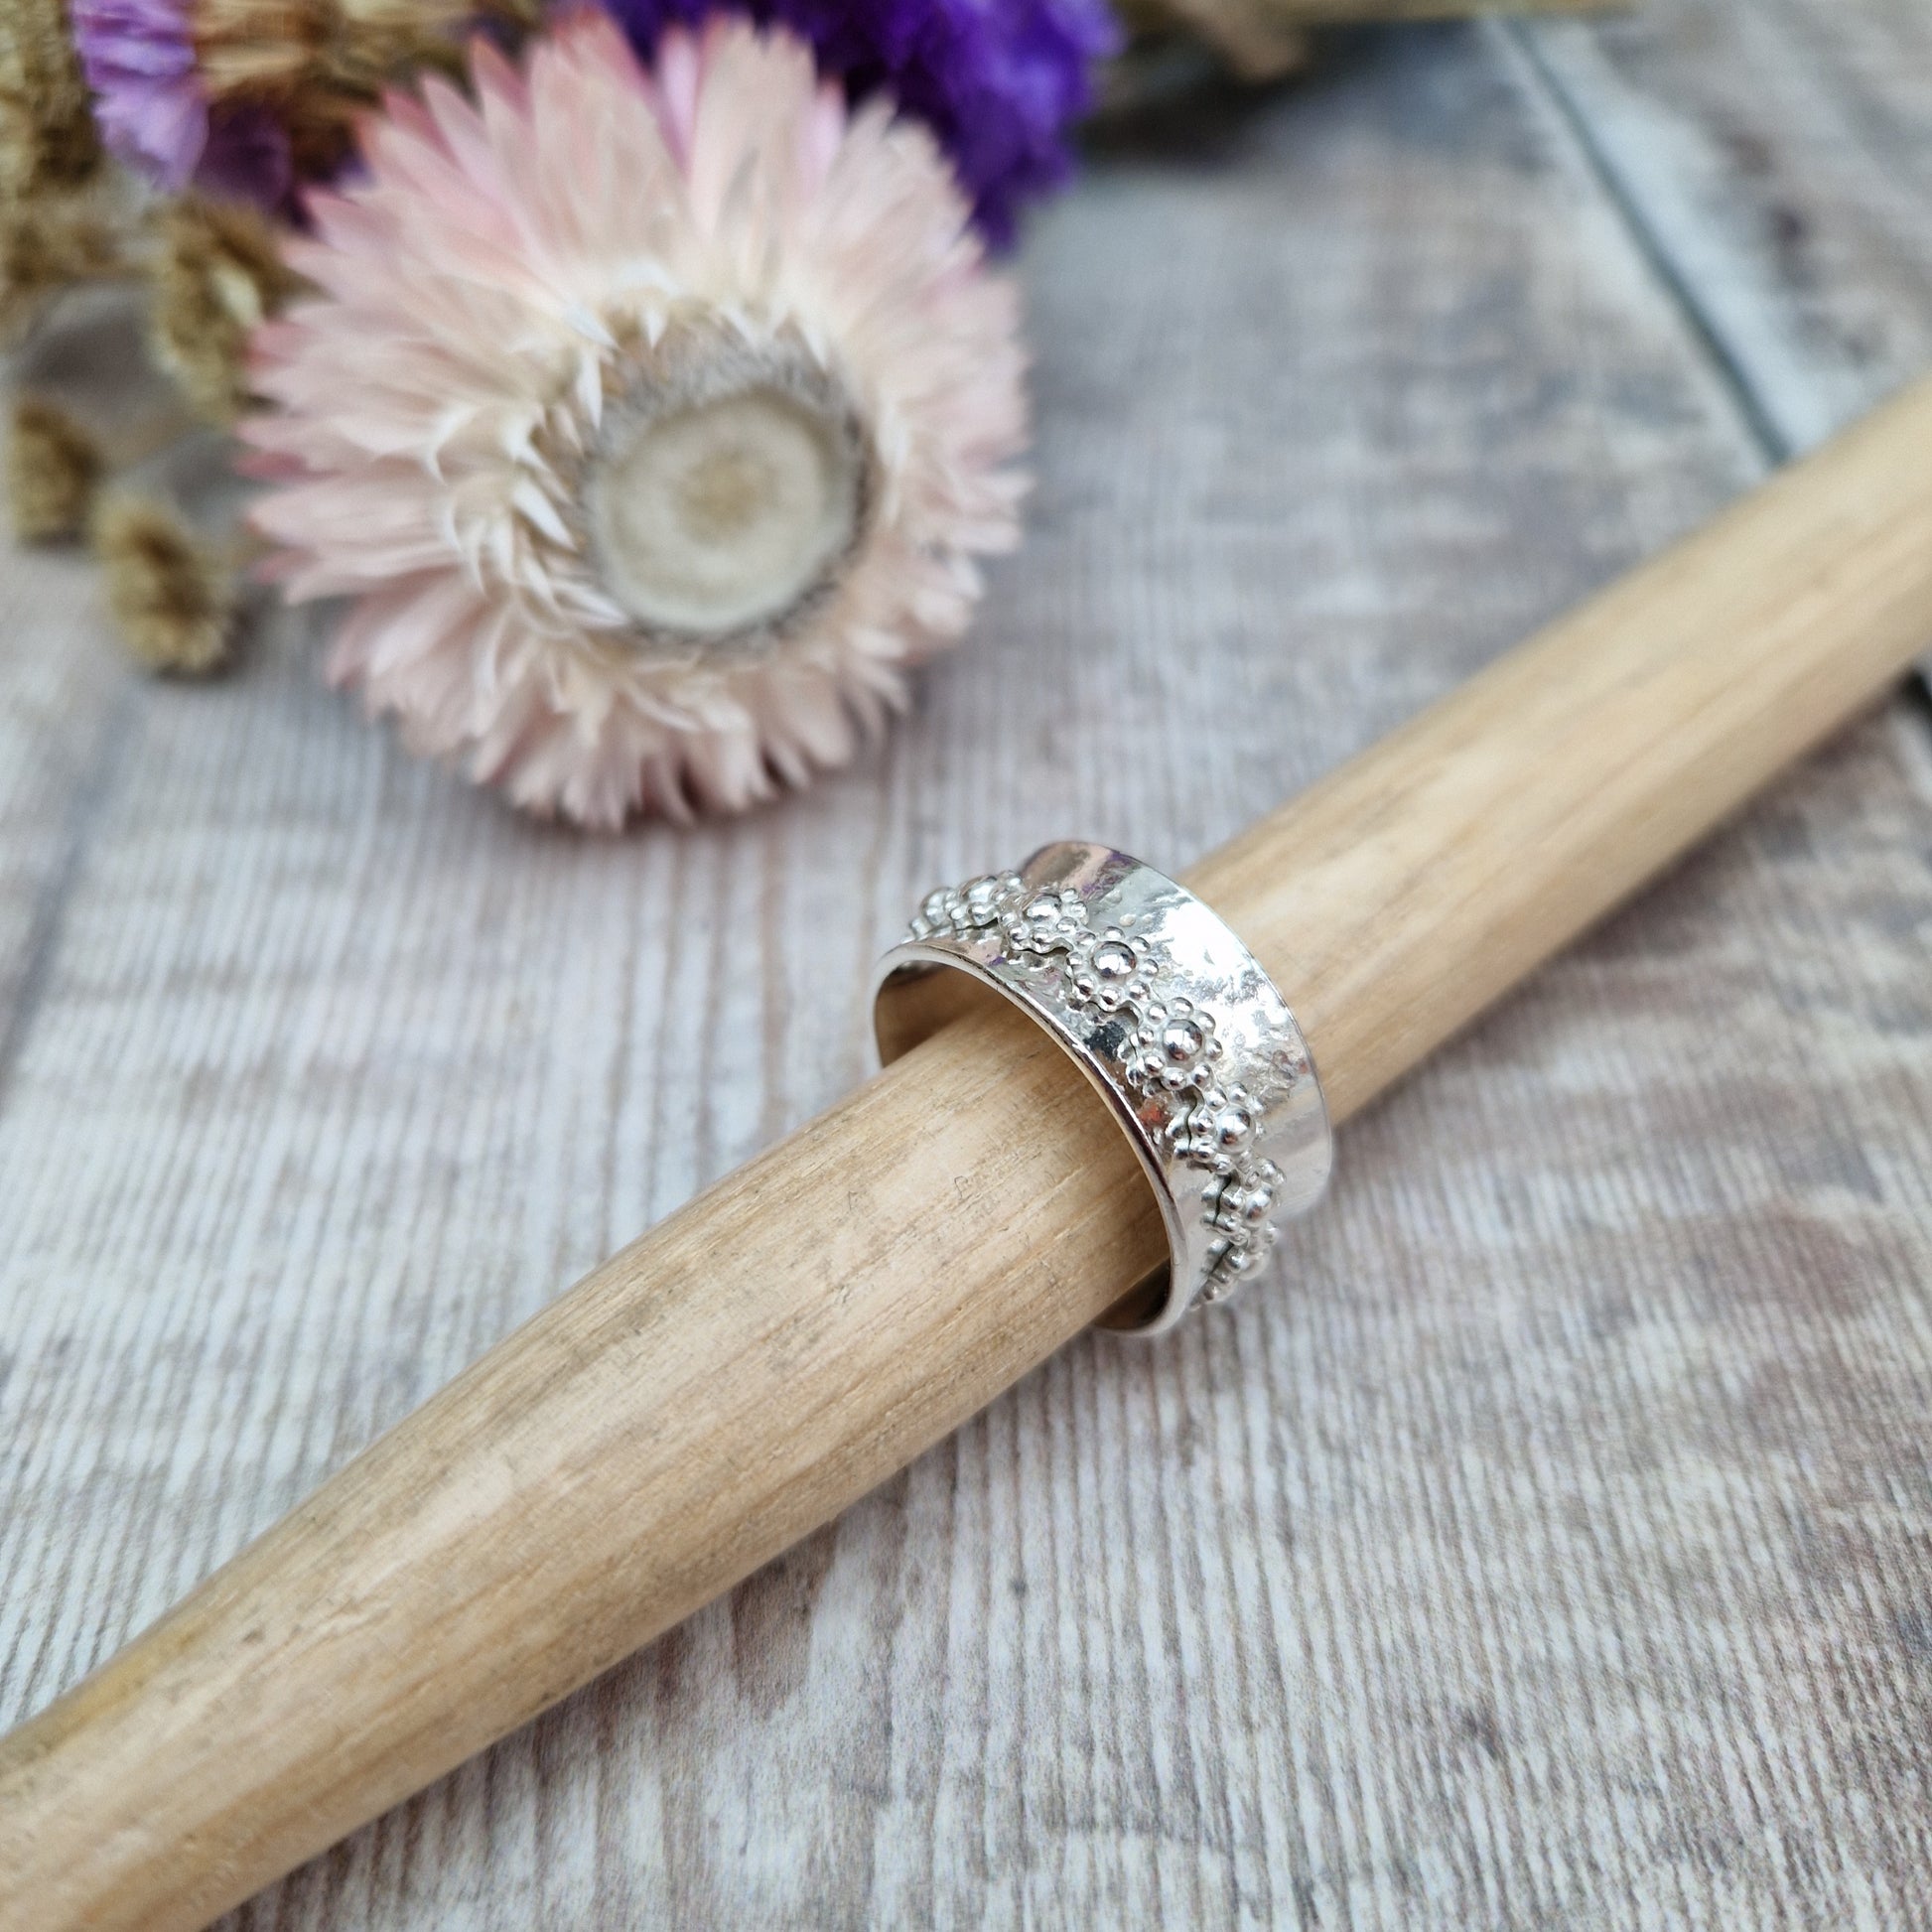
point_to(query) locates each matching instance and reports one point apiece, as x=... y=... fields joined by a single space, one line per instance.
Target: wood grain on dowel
x=808 y=1325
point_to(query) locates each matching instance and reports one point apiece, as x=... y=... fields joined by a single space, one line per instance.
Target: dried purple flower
x=140 y=61
x=997 y=80
x=247 y=156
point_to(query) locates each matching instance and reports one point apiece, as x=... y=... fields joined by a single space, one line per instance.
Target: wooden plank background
x=1549 y=1542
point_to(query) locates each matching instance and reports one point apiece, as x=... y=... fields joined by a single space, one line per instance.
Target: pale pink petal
x=480 y=289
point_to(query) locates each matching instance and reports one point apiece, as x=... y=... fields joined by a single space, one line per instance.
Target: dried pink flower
x=654 y=420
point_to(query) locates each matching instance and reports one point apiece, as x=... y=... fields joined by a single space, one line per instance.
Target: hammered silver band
x=1169 y=1016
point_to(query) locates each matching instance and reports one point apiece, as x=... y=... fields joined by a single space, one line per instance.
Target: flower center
x=721 y=514
x=1182 y=1042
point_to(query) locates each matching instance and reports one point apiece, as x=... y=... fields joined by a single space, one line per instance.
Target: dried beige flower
x=51 y=243
x=53 y=467
x=175 y=597
x=48 y=142
x=219 y=273
x=318 y=65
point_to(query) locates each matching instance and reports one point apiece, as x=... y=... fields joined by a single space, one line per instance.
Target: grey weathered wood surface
x=1551 y=1543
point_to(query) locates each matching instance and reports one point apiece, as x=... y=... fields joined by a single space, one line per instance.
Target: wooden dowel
x=812 y=1323
x=1407 y=891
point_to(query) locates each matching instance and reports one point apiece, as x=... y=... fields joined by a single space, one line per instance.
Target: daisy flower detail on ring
x=654 y=420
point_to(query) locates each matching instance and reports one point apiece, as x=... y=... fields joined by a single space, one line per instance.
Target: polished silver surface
x=1169 y=1016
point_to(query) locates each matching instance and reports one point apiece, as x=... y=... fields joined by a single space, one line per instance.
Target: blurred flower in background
x=1000 y=83
x=634 y=372
x=653 y=418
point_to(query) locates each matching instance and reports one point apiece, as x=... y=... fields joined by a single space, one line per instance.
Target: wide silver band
x=1169 y=1016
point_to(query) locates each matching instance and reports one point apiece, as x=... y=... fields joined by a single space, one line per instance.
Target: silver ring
x=1170 y=1017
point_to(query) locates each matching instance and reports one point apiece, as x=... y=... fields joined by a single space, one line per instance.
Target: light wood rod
x=811 y=1323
